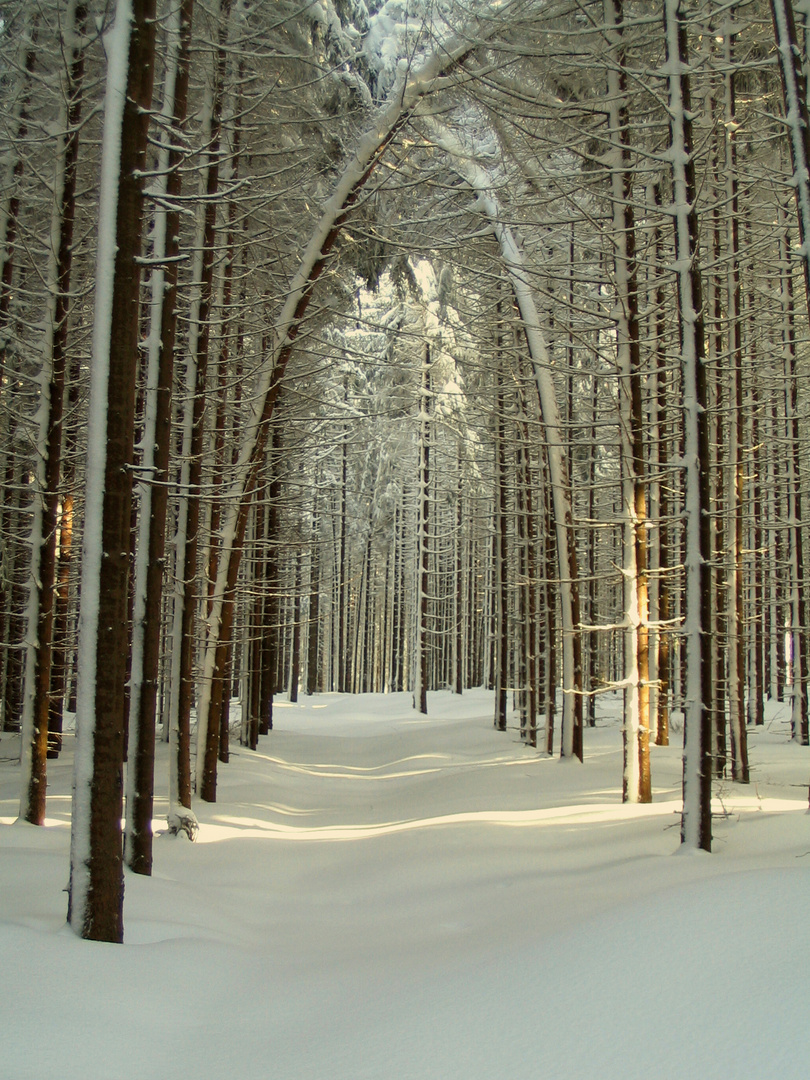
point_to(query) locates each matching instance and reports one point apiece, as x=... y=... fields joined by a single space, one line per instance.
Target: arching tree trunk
x=411 y=87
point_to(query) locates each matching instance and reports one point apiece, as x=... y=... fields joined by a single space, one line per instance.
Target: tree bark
x=696 y=826
x=411 y=87
x=43 y=580
x=150 y=559
x=96 y=869
x=423 y=537
x=636 y=732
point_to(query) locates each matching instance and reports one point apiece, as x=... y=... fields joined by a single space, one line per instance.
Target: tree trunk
x=696 y=826
x=96 y=872
x=636 y=732
x=43 y=580
x=500 y=568
x=423 y=538
x=150 y=559
x=735 y=614
x=409 y=90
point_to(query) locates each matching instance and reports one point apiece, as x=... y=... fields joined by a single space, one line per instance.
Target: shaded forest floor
x=382 y=896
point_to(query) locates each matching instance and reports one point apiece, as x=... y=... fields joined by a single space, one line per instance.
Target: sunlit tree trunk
x=637 y=784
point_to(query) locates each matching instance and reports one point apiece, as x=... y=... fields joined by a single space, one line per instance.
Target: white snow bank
x=381 y=896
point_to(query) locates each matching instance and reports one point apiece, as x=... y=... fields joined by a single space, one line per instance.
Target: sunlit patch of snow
x=411 y=889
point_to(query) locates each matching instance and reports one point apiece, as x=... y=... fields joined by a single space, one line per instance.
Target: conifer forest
x=364 y=346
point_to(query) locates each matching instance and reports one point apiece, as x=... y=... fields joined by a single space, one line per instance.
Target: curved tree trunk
x=636 y=730
x=512 y=255
x=409 y=90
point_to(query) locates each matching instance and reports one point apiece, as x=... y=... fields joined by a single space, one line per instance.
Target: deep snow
x=380 y=896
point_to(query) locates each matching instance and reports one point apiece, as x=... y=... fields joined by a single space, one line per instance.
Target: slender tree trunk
x=794 y=86
x=696 y=827
x=637 y=783
x=735 y=614
x=423 y=537
x=43 y=581
x=295 y=652
x=458 y=591
x=500 y=552
x=314 y=618
x=661 y=448
x=150 y=559
x=270 y=647
x=207 y=740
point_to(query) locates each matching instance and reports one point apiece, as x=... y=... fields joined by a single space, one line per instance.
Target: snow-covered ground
x=380 y=896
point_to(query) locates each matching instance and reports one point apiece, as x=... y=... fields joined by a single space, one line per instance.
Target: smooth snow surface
x=383 y=896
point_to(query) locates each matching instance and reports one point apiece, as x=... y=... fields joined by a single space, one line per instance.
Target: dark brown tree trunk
x=32 y=807
x=500 y=549
x=142 y=756
x=271 y=628
x=207 y=747
x=458 y=578
x=295 y=651
x=314 y=616
x=96 y=882
x=422 y=539
x=736 y=478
